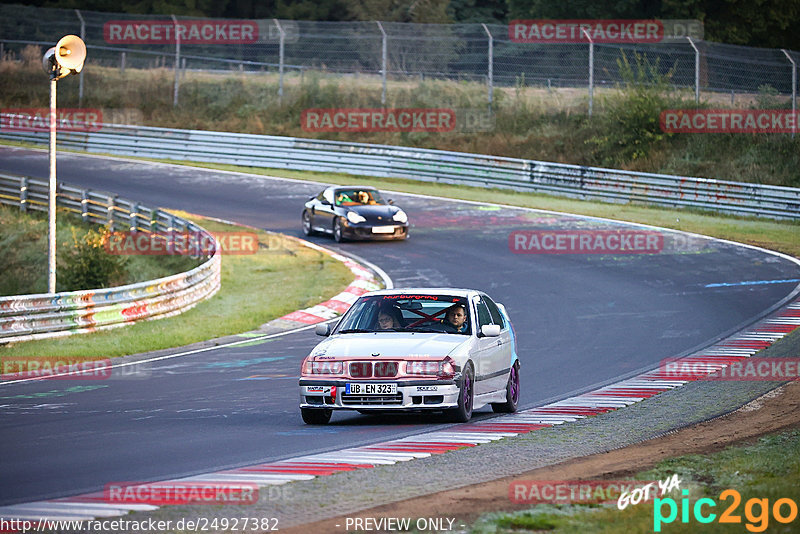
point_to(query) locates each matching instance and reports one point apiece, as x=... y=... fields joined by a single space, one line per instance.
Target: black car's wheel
x=512 y=393
x=307 y=230
x=316 y=417
x=337 y=230
x=466 y=395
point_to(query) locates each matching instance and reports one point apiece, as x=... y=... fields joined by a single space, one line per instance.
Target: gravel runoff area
x=326 y=497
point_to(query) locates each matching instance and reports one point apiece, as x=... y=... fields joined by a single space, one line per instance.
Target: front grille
x=368 y=369
x=373 y=400
x=361 y=369
x=385 y=369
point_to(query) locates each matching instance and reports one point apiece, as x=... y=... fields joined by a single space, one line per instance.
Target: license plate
x=383 y=229
x=370 y=389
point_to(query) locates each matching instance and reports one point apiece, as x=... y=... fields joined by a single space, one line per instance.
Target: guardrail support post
x=591 y=72
x=384 y=61
x=794 y=90
x=177 y=62
x=491 y=64
x=280 y=58
x=132 y=217
x=85 y=205
x=110 y=210
x=696 y=71
x=23 y=194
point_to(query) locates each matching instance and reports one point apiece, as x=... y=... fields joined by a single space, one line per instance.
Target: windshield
x=358 y=197
x=407 y=313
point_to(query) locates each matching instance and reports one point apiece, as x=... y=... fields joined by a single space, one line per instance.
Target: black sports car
x=353 y=212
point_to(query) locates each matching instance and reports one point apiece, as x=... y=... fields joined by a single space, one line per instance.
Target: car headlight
x=323 y=368
x=400 y=217
x=354 y=217
x=442 y=369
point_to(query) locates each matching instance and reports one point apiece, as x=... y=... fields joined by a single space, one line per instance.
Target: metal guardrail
x=432 y=166
x=25 y=317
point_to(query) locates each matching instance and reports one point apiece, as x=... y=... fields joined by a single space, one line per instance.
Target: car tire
x=307 y=229
x=512 y=393
x=337 y=230
x=313 y=416
x=466 y=397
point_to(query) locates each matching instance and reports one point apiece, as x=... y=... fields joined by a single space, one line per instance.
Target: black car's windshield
x=407 y=313
x=358 y=197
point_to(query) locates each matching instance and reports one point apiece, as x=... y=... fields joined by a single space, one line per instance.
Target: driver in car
x=455 y=319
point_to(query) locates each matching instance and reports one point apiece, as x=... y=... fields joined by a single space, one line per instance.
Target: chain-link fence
x=483 y=53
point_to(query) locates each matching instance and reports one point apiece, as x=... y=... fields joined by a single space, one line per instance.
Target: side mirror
x=390 y=202
x=490 y=330
x=323 y=329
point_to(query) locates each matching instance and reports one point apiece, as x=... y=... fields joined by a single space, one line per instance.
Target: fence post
x=591 y=71
x=134 y=213
x=80 y=76
x=794 y=91
x=696 y=71
x=383 y=63
x=491 y=64
x=122 y=63
x=177 y=62
x=280 y=60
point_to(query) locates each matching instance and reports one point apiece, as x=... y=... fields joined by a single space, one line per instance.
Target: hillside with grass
x=529 y=122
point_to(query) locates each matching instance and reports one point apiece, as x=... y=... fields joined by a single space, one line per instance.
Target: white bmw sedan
x=450 y=350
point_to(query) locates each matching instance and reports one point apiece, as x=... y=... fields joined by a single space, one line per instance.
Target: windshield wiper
x=354 y=331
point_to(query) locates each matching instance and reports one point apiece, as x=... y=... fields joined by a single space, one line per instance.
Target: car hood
x=390 y=345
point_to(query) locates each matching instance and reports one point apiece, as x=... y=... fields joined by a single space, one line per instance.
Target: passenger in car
x=388 y=318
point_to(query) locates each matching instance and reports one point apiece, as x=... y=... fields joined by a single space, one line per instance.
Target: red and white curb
x=605 y=399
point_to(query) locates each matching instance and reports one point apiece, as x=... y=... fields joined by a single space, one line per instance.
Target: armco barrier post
x=23 y=193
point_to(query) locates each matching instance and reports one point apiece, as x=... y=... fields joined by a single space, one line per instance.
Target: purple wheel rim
x=514 y=384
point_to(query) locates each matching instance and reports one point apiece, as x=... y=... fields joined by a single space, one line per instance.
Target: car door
x=323 y=211
x=490 y=368
x=505 y=342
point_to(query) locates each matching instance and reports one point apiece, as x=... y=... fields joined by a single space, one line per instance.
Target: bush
x=630 y=126
x=87 y=264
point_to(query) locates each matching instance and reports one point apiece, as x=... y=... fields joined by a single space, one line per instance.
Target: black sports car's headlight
x=400 y=217
x=355 y=218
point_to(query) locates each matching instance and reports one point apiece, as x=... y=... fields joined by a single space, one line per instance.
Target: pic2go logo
x=758 y=521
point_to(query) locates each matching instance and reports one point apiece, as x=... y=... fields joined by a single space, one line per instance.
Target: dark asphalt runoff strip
x=582 y=321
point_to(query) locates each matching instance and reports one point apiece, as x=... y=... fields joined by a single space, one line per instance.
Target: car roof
x=449 y=291
x=355 y=187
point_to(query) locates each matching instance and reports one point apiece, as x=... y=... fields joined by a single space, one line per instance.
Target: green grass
x=281 y=277
x=768 y=469
x=530 y=122
x=23 y=241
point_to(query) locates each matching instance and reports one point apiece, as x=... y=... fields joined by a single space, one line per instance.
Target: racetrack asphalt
x=581 y=320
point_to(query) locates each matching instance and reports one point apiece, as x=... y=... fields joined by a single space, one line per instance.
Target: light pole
x=65 y=58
